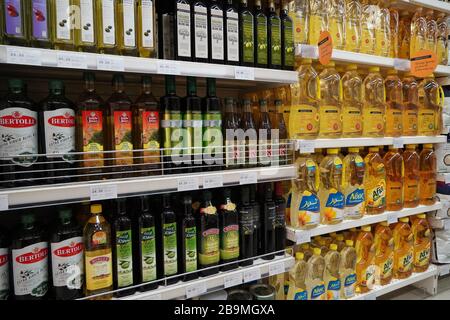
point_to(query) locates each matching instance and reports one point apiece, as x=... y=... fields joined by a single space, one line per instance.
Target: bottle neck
x=146 y=88
x=191 y=88
x=16 y=90
x=170 y=88
x=263 y=108
x=229 y=108
x=188 y=209
x=89 y=85
x=119 y=87
x=211 y=89
x=57 y=92
x=65 y=220
x=247 y=108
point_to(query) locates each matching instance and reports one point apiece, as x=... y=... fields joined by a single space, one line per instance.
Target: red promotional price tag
x=325 y=47
x=423 y=63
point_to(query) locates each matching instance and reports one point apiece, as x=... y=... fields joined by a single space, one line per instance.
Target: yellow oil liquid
x=368 y=25
x=353 y=185
x=374 y=104
x=411 y=105
x=412 y=177
x=331 y=273
x=394 y=104
x=336 y=24
x=375 y=182
x=353 y=26
x=85 y=34
x=395 y=172
x=427 y=172
x=422 y=243
x=431 y=33
x=347 y=270
x=384 y=253
x=62 y=16
x=297 y=279
x=106 y=21
x=298 y=11
x=428 y=106
x=418 y=32
x=364 y=258
x=441 y=48
x=382 y=32
x=317 y=20
x=404 y=33
x=403 y=249
x=394 y=26
x=315 y=268
x=352 y=103
x=126 y=27
x=330 y=108
x=146 y=28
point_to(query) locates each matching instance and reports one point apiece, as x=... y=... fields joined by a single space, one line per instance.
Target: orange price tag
x=325 y=47
x=423 y=63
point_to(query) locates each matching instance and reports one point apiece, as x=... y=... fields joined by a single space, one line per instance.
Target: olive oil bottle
x=182 y=31
x=287 y=39
x=189 y=241
x=106 y=26
x=126 y=27
x=246 y=35
x=63 y=18
x=231 y=33
x=40 y=26
x=146 y=28
x=216 y=32
x=229 y=231
x=261 y=39
x=212 y=128
x=200 y=31
x=274 y=36
x=246 y=229
x=85 y=32
x=268 y=223
x=169 y=241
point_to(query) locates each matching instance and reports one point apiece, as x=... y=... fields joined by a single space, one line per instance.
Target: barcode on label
x=195 y=290
x=4 y=204
x=188 y=184
x=232 y=280
x=103 y=192
x=252 y=274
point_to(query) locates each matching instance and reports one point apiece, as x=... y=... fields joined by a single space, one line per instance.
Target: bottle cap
x=299 y=256
x=227 y=192
x=65 y=213
x=404 y=220
x=96 y=208
x=374 y=69
x=411 y=146
x=263 y=102
x=352 y=66
x=408 y=75
x=118 y=77
x=322 y=241
x=353 y=229
x=306 y=61
x=331 y=64
x=333 y=151
x=187 y=200
x=56 y=85
x=428 y=146
x=340 y=237
x=421 y=216
x=317 y=251
x=333 y=247
x=305 y=246
x=374 y=149
x=384 y=223
x=349 y=243
x=146 y=80
x=353 y=150
x=392 y=148
x=392 y=72
x=28 y=219
x=366 y=229
x=333 y=234
x=229 y=100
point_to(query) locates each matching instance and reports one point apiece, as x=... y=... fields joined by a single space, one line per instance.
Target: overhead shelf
x=25 y=197
x=429 y=4
x=91 y=61
x=303 y=236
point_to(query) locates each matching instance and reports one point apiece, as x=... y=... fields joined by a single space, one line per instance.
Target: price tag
x=308 y=51
x=4 y=204
x=168 y=67
x=23 y=56
x=298 y=48
x=110 y=63
x=232 y=280
x=370 y=296
x=252 y=274
x=423 y=63
x=305 y=146
x=71 y=60
x=401 y=64
x=398 y=143
x=157 y=296
x=303 y=236
x=276 y=268
x=392 y=217
x=188 y=184
x=103 y=192
x=325 y=46
x=248 y=178
x=447 y=178
x=243 y=73
x=444 y=269
x=196 y=290
x=211 y=182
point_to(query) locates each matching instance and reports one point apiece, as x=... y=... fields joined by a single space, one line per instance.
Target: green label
x=193 y=125
x=261 y=41
x=230 y=242
x=275 y=41
x=170 y=249
x=148 y=252
x=247 y=39
x=124 y=259
x=191 y=249
x=209 y=251
x=173 y=133
x=212 y=135
x=289 y=53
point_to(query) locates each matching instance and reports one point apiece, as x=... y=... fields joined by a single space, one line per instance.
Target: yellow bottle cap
x=307 y=61
x=332 y=151
x=366 y=229
x=421 y=216
x=374 y=149
x=352 y=67
x=408 y=75
x=331 y=64
x=431 y=76
x=96 y=208
x=353 y=229
x=392 y=148
x=384 y=223
x=318 y=150
x=374 y=69
x=411 y=146
x=353 y=150
x=333 y=234
x=428 y=146
x=305 y=246
x=333 y=247
x=317 y=251
x=405 y=220
x=349 y=243
x=322 y=241
x=340 y=237
x=392 y=72
x=299 y=256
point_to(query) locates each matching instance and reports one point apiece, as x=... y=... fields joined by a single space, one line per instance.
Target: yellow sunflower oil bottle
x=352 y=103
x=330 y=107
x=331 y=273
x=418 y=32
x=404 y=35
x=146 y=28
x=383 y=30
x=347 y=270
x=412 y=177
x=394 y=25
x=106 y=18
x=299 y=13
x=442 y=39
x=317 y=20
x=394 y=104
x=339 y=241
x=364 y=259
x=374 y=108
x=318 y=156
x=126 y=27
x=384 y=253
x=410 y=105
x=297 y=279
x=431 y=34
x=85 y=34
x=403 y=249
x=422 y=243
x=375 y=182
x=314 y=276
x=304 y=116
x=62 y=17
x=336 y=23
x=353 y=26
x=330 y=190
x=353 y=184
x=428 y=106
x=427 y=172
x=395 y=171
x=368 y=26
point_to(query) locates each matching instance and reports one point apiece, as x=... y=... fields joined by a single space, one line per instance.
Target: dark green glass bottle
x=274 y=37
x=261 y=41
x=212 y=129
x=246 y=36
x=287 y=39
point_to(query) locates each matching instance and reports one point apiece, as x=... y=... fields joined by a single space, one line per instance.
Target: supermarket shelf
x=109 y=189
x=92 y=61
x=260 y=269
x=361 y=142
x=302 y=236
x=430 y=4
x=443 y=269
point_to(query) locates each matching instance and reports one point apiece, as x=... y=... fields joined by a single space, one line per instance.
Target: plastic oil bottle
x=353 y=26
x=395 y=171
x=330 y=194
x=394 y=22
x=331 y=273
x=410 y=105
x=412 y=177
x=352 y=103
x=427 y=172
x=441 y=39
x=85 y=33
x=403 y=249
x=404 y=35
x=106 y=18
x=418 y=32
x=384 y=253
x=368 y=24
x=431 y=34
x=422 y=243
x=62 y=17
x=364 y=259
x=307 y=251
x=347 y=270
x=428 y=106
x=317 y=20
x=330 y=97
x=304 y=115
x=299 y=13
x=353 y=184
x=394 y=104
x=314 y=276
x=375 y=182
x=297 y=279
x=383 y=30
x=374 y=104
x=336 y=25
x=339 y=241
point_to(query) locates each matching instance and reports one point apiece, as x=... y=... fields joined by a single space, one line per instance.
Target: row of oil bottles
x=372 y=27
x=338 y=266
x=333 y=188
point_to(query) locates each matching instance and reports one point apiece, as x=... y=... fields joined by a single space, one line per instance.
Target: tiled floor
x=412 y=293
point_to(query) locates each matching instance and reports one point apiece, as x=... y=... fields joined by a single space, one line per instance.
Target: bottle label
x=349 y=285
x=412 y=190
x=230 y=242
x=300 y=27
x=148 y=254
x=318 y=292
x=316 y=26
x=150 y=136
x=13 y=17
x=367 y=38
x=275 y=42
x=210 y=247
x=87 y=21
x=334 y=208
x=394 y=194
x=173 y=135
x=336 y=29
x=201 y=32
x=212 y=133
x=98 y=271
x=301 y=294
x=289 y=49
x=217 y=35
x=308 y=210
x=330 y=119
x=92 y=122
x=108 y=22
x=59 y=127
x=184 y=30
x=354 y=204
x=441 y=49
x=232 y=36
x=123 y=137
x=351 y=120
x=382 y=40
x=40 y=19
x=246 y=221
x=147 y=24
x=410 y=122
x=333 y=289
x=373 y=120
x=422 y=256
x=386 y=268
x=394 y=121
x=99 y=238
x=63 y=20
x=304 y=119
x=248 y=38
x=191 y=249
x=4 y=273
x=67 y=263
x=261 y=40
x=405 y=262
x=18 y=129
x=233 y=154
x=426 y=122
x=376 y=197
x=124 y=258
x=170 y=249
x=30 y=270
x=129 y=23
x=353 y=35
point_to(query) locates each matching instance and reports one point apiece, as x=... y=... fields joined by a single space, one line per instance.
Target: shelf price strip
x=252 y=274
x=103 y=192
x=196 y=289
x=4 y=204
x=232 y=280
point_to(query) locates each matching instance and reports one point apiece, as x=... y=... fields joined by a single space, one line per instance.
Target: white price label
x=447 y=178
x=398 y=143
x=248 y=178
x=402 y=64
x=444 y=269
x=276 y=268
x=252 y=274
x=370 y=296
x=211 y=182
x=447 y=224
x=103 y=192
x=23 y=56
x=196 y=290
x=188 y=184
x=305 y=146
x=308 y=51
x=110 y=63
x=168 y=67
x=243 y=73
x=303 y=236
x=71 y=60
x=232 y=280
x=298 y=49
x=392 y=217
x=4 y=204
x=157 y=296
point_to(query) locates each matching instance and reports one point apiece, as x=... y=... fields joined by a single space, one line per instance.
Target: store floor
x=413 y=293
